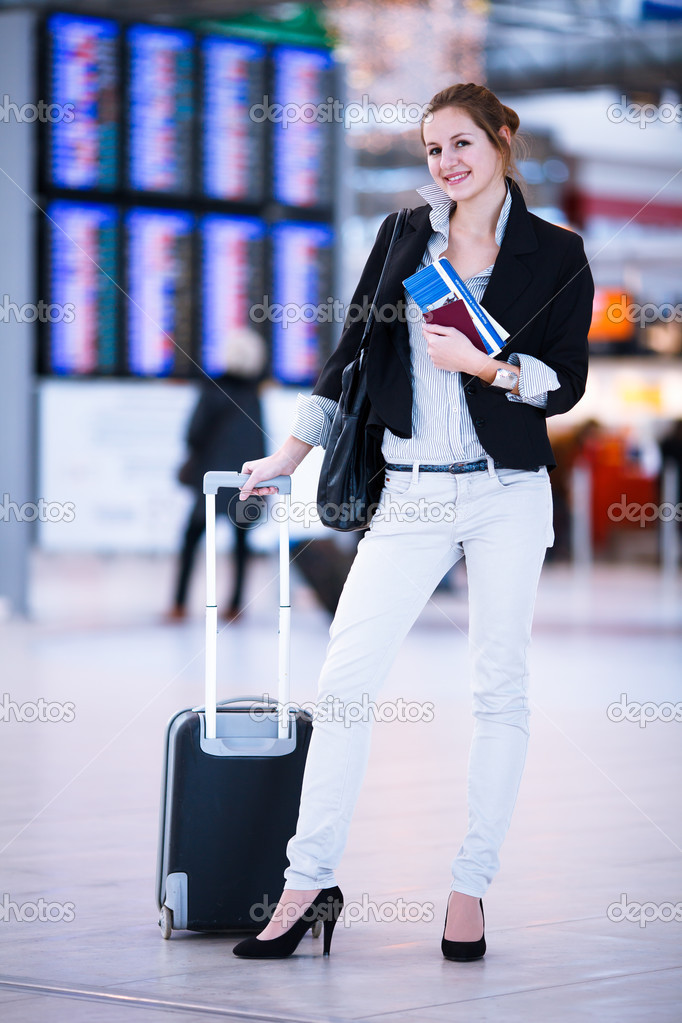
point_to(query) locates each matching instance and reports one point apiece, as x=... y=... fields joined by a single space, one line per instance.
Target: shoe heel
x=328 y=929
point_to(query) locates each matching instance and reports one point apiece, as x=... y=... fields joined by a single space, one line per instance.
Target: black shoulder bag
x=352 y=473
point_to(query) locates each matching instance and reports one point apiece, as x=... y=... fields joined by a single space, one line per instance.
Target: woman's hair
x=486 y=111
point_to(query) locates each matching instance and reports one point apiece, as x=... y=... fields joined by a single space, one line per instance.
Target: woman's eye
x=460 y=142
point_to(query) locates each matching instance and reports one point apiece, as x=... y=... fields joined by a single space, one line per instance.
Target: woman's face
x=460 y=156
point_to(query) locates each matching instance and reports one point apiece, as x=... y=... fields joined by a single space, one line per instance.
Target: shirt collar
x=441 y=205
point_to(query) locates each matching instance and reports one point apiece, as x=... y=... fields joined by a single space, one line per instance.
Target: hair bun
x=511 y=119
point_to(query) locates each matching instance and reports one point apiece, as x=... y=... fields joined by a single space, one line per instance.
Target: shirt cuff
x=313 y=418
x=536 y=379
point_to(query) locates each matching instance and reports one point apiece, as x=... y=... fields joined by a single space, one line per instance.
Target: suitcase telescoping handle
x=213 y=481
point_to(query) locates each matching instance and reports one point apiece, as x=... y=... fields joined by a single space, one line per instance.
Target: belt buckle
x=452 y=469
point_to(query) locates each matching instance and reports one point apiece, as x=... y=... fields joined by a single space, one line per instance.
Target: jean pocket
x=508 y=478
x=397 y=483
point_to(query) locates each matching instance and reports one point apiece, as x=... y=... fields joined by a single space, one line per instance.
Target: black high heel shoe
x=463 y=951
x=326 y=907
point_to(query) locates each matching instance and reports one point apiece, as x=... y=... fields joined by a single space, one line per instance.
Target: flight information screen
x=82 y=307
x=233 y=130
x=302 y=138
x=232 y=287
x=160 y=114
x=302 y=298
x=84 y=102
x=188 y=184
x=158 y=303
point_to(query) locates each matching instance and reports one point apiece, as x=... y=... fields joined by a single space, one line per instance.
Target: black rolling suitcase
x=232 y=779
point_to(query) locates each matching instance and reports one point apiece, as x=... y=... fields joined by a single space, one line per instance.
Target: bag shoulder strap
x=398 y=228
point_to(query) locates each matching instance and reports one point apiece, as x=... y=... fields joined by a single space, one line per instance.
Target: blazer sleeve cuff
x=536 y=380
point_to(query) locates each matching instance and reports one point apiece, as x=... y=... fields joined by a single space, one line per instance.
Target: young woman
x=460 y=432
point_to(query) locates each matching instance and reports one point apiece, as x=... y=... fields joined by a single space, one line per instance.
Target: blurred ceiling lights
x=398 y=54
x=513 y=46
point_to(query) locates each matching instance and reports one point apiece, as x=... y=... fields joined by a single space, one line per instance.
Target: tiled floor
x=597 y=819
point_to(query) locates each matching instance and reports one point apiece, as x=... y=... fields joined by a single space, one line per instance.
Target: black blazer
x=541 y=290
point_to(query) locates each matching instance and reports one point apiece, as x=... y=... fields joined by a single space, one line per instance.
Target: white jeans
x=500 y=520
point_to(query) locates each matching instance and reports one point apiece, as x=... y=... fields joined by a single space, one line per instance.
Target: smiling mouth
x=454 y=179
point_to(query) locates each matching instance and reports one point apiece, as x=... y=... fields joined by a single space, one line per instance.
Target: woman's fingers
x=251 y=485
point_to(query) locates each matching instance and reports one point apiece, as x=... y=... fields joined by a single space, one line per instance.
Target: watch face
x=505 y=378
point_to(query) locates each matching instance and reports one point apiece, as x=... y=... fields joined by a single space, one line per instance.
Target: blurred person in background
x=671 y=452
x=226 y=425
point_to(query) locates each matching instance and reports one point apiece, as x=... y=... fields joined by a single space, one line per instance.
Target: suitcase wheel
x=317 y=929
x=166 y=922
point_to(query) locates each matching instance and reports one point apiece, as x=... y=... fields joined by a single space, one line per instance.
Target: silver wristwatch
x=505 y=379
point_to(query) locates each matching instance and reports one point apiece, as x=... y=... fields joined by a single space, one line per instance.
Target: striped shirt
x=442 y=428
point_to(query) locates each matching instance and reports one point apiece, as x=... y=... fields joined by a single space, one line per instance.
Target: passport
x=438 y=286
x=455 y=314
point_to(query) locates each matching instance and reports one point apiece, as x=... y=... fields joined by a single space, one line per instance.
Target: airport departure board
x=158 y=302
x=81 y=313
x=232 y=285
x=233 y=128
x=187 y=178
x=302 y=139
x=302 y=288
x=82 y=117
x=160 y=109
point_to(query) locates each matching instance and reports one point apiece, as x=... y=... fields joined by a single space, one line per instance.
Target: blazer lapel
x=408 y=249
x=510 y=276
x=407 y=253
